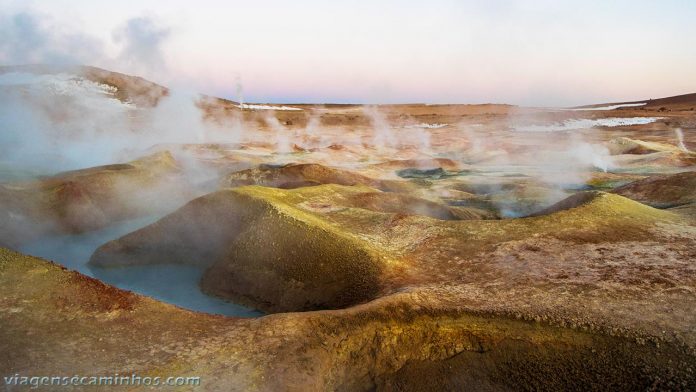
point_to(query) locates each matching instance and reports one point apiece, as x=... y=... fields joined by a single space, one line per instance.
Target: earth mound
x=260 y=249
x=596 y=201
x=442 y=163
x=624 y=145
x=574 y=201
x=630 y=152
x=325 y=246
x=88 y=199
x=662 y=191
x=307 y=174
x=400 y=203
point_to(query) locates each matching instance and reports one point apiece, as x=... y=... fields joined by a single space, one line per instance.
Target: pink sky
x=551 y=53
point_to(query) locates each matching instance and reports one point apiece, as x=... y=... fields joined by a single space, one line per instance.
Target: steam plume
x=680 y=139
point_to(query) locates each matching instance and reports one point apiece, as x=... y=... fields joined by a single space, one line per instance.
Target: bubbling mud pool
x=170 y=283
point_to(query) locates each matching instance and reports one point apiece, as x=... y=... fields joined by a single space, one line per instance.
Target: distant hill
x=677 y=99
x=684 y=99
x=141 y=92
x=145 y=93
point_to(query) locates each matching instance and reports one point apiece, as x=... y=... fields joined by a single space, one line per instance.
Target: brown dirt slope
x=662 y=191
x=409 y=341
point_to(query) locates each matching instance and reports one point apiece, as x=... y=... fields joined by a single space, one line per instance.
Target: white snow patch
x=265 y=107
x=427 y=126
x=586 y=123
x=612 y=107
x=65 y=85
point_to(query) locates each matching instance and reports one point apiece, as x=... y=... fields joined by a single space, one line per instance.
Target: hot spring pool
x=170 y=283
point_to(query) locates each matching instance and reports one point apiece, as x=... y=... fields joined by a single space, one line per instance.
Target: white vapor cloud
x=31 y=37
x=142 y=39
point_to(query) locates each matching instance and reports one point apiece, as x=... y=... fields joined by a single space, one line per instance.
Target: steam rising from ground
x=386 y=135
x=551 y=165
x=282 y=136
x=680 y=140
x=62 y=122
x=58 y=122
x=142 y=40
x=383 y=134
x=30 y=37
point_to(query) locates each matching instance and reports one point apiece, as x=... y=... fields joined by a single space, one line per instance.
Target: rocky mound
x=624 y=145
x=630 y=152
x=574 y=201
x=662 y=191
x=307 y=264
x=307 y=174
x=83 y=200
x=276 y=249
x=601 y=201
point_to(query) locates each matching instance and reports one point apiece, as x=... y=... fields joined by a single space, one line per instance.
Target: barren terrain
x=391 y=247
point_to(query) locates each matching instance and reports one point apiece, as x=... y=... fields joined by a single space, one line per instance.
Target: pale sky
x=546 y=53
